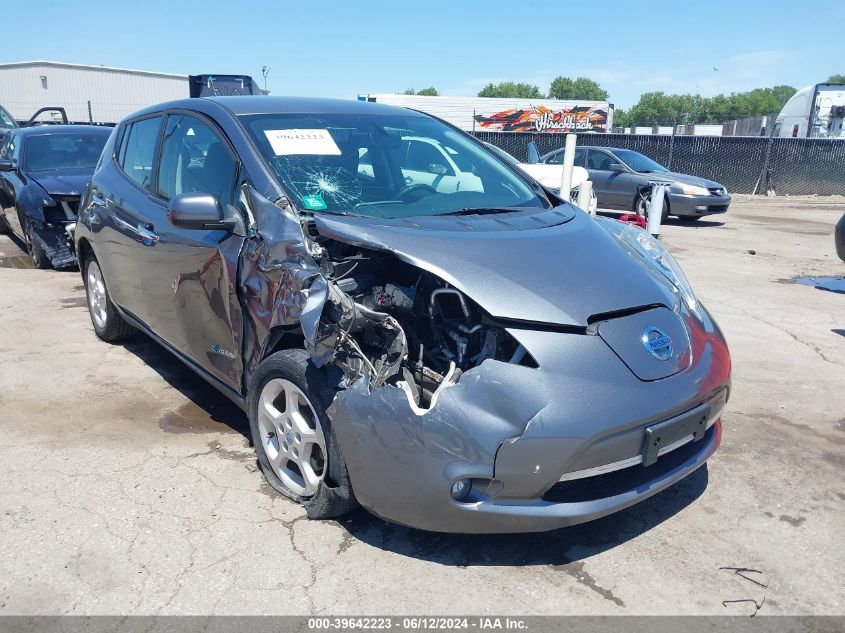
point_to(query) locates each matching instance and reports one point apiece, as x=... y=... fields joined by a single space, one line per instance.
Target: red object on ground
x=633 y=218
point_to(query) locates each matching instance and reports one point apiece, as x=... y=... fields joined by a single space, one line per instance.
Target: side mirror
x=197 y=211
x=533 y=153
x=618 y=167
x=6 y=165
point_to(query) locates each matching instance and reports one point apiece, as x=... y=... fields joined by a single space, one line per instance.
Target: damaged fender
x=283 y=286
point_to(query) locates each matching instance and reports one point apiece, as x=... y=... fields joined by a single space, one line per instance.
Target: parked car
x=621 y=180
x=839 y=238
x=487 y=360
x=43 y=171
x=550 y=176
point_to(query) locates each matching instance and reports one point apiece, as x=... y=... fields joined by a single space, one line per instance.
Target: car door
x=125 y=211
x=11 y=182
x=192 y=273
x=611 y=187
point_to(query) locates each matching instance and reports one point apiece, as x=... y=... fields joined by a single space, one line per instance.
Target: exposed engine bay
x=398 y=323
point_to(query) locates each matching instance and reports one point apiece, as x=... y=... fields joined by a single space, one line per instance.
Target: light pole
x=265 y=70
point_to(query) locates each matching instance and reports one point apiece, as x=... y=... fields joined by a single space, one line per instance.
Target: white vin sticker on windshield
x=288 y=142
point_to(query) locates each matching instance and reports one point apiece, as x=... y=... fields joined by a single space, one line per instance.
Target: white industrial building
x=88 y=93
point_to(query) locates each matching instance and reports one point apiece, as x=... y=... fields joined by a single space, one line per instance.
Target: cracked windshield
x=385 y=166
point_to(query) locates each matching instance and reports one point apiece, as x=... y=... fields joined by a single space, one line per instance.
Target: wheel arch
x=283 y=337
x=83 y=250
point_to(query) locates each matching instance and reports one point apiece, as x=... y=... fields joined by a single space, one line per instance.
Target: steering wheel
x=419 y=187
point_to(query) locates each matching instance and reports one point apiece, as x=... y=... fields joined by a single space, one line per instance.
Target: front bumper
x=517 y=431
x=682 y=204
x=56 y=240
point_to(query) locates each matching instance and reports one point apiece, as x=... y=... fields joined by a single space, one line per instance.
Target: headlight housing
x=694 y=190
x=640 y=243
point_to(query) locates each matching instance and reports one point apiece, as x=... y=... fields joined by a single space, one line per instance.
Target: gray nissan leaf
x=410 y=324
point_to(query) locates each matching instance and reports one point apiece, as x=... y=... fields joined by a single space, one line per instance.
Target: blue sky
x=338 y=49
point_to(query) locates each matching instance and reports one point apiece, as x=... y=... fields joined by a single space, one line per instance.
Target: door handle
x=147 y=234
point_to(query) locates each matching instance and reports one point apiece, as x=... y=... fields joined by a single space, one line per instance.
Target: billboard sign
x=545 y=119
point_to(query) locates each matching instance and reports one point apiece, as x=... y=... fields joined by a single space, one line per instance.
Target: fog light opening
x=461 y=489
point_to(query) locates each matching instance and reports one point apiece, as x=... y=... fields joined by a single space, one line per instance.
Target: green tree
x=431 y=91
x=783 y=93
x=512 y=90
x=620 y=118
x=658 y=108
x=579 y=88
x=836 y=79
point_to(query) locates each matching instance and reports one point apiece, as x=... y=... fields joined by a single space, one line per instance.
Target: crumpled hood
x=66 y=182
x=671 y=176
x=552 y=266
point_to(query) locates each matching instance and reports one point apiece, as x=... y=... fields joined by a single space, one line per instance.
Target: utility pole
x=265 y=70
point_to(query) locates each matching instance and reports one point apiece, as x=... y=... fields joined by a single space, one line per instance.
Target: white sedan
x=549 y=175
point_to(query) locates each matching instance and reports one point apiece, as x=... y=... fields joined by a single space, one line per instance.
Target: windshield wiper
x=480 y=211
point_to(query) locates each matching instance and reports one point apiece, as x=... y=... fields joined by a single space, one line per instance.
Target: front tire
x=33 y=247
x=642 y=204
x=108 y=324
x=297 y=449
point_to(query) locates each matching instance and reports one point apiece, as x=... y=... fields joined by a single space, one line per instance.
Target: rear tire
x=108 y=324
x=297 y=449
x=36 y=253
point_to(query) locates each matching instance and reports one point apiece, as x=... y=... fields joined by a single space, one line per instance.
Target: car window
x=6 y=119
x=12 y=149
x=138 y=150
x=380 y=165
x=598 y=159
x=194 y=158
x=422 y=156
x=557 y=158
x=5 y=154
x=66 y=150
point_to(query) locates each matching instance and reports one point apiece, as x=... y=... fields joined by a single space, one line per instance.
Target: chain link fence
x=743 y=164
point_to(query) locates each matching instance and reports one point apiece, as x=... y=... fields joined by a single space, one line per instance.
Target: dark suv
x=401 y=312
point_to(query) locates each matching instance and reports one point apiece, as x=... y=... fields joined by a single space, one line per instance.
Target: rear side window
x=138 y=149
x=557 y=159
x=194 y=158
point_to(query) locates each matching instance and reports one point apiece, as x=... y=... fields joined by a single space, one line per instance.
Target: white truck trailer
x=813 y=112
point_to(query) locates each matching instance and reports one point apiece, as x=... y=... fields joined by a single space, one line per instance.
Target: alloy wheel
x=291 y=436
x=97 y=299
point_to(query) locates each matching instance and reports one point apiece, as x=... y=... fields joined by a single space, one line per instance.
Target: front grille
x=621 y=481
x=717 y=208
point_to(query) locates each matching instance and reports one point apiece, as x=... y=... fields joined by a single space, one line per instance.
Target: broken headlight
x=652 y=251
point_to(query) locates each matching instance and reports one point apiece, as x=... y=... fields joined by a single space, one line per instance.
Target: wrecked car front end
x=493 y=376
x=52 y=205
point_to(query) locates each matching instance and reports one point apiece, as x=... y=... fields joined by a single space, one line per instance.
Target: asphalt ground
x=128 y=486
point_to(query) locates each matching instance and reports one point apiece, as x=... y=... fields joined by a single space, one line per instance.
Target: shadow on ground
x=560 y=547
x=208 y=409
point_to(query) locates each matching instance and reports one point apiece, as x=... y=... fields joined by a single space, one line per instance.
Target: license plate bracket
x=663 y=435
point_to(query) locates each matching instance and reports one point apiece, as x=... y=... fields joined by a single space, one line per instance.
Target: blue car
x=43 y=172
